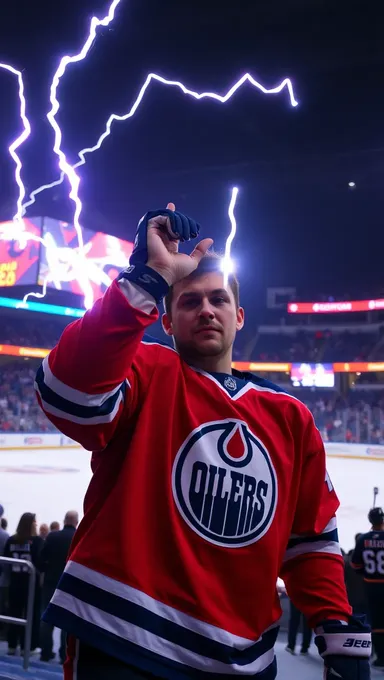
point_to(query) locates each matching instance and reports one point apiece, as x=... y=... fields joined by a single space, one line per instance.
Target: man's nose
x=206 y=310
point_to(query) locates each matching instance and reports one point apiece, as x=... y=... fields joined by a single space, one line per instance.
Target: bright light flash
x=65 y=167
x=19 y=141
x=227 y=264
x=246 y=78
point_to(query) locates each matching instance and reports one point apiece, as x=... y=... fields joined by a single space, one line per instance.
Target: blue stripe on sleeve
x=62 y=404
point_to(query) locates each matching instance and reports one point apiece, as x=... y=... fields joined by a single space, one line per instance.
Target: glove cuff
x=148 y=279
x=343 y=644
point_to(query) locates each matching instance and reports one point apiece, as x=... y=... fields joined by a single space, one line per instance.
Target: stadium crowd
x=358 y=418
x=19 y=410
x=33 y=332
x=309 y=344
x=320 y=346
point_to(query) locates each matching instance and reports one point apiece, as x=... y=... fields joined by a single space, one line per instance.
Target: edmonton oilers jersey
x=205 y=488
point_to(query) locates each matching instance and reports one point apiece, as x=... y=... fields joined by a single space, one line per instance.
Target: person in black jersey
x=368 y=559
x=23 y=545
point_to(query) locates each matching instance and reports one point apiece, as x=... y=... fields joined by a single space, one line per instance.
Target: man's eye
x=219 y=300
x=190 y=302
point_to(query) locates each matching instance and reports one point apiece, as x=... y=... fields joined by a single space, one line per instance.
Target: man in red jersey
x=215 y=481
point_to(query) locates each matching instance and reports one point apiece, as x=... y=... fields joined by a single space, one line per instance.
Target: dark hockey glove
x=345 y=648
x=182 y=229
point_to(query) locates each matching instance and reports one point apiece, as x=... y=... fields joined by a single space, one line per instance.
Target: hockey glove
x=345 y=648
x=182 y=229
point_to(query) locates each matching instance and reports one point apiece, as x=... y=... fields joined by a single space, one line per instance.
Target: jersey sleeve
x=313 y=567
x=95 y=374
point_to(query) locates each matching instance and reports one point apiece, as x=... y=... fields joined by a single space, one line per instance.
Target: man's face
x=204 y=317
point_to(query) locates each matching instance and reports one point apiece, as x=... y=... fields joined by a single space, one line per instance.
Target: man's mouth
x=208 y=329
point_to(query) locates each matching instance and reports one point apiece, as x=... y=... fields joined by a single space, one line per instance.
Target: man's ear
x=167 y=324
x=239 y=318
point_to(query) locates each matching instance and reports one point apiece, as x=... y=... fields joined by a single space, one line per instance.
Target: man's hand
x=346 y=668
x=157 y=244
x=345 y=648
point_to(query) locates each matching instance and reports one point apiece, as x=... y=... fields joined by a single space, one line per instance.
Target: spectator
x=293 y=628
x=355 y=584
x=3 y=535
x=53 y=559
x=3 y=574
x=54 y=526
x=25 y=545
x=43 y=531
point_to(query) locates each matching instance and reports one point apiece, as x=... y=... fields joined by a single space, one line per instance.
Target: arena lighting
x=25 y=352
x=253 y=366
x=11 y=303
x=335 y=307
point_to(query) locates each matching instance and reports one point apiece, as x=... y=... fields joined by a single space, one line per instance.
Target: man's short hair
x=211 y=262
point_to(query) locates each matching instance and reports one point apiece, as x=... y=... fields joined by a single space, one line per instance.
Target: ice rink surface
x=51 y=481
x=47 y=482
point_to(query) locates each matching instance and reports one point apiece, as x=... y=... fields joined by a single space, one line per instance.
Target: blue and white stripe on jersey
x=326 y=542
x=66 y=402
x=146 y=633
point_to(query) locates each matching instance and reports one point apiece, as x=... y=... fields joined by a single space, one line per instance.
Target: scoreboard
x=19 y=263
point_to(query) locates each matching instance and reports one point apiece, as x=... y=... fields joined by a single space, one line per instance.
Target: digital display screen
x=19 y=262
x=63 y=266
x=312 y=375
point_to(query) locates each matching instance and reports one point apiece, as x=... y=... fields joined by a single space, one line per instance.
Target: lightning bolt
x=227 y=264
x=246 y=78
x=62 y=256
x=18 y=142
x=64 y=166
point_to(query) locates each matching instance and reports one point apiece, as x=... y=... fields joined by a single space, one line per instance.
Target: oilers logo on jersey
x=224 y=484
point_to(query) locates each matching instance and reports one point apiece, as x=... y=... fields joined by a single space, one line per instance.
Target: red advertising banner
x=334 y=307
x=359 y=367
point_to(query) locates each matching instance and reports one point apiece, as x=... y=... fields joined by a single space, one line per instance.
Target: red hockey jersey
x=205 y=489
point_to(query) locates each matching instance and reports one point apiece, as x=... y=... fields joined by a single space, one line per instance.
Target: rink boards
x=49 y=474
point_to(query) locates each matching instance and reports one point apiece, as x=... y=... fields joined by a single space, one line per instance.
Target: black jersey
x=368 y=556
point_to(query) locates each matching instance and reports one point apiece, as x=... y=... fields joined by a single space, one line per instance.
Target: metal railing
x=27 y=622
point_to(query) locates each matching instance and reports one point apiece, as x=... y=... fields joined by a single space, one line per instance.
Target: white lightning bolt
x=227 y=263
x=286 y=83
x=19 y=141
x=69 y=171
